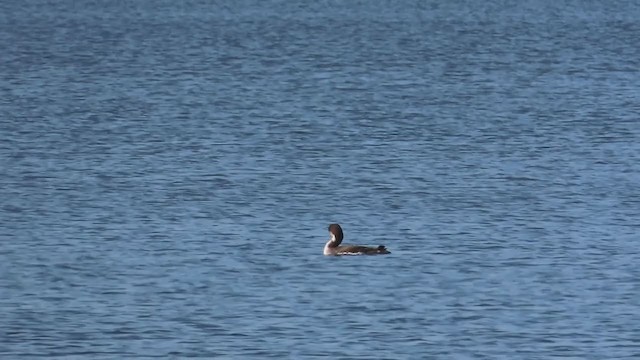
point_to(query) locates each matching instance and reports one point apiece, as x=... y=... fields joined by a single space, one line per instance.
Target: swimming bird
x=333 y=247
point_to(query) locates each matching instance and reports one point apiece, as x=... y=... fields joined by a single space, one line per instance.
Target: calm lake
x=169 y=170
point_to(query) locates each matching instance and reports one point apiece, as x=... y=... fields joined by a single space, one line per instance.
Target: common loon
x=332 y=247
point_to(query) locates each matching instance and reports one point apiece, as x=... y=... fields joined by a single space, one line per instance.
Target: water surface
x=169 y=171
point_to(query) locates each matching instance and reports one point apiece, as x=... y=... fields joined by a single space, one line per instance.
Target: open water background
x=168 y=170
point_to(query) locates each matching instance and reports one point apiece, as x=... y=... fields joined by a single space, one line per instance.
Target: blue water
x=169 y=169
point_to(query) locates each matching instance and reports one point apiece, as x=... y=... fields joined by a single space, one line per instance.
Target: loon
x=333 y=245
